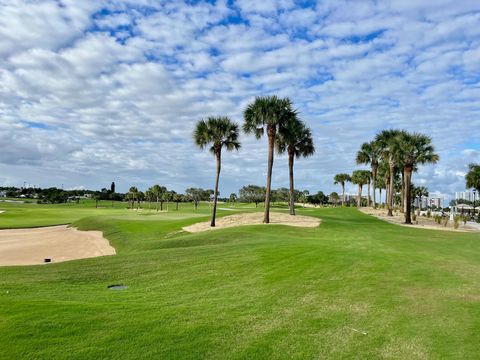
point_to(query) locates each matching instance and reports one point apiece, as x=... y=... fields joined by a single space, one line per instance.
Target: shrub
x=456 y=221
x=445 y=221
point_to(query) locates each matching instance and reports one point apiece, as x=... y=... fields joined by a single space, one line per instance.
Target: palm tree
x=369 y=153
x=415 y=149
x=472 y=179
x=268 y=114
x=219 y=132
x=296 y=139
x=360 y=177
x=342 y=179
x=388 y=142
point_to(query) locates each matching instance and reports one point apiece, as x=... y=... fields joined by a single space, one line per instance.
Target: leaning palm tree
x=415 y=149
x=342 y=179
x=295 y=139
x=369 y=153
x=389 y=144
x=220 y=132
x=267 y=114
x=360 y=177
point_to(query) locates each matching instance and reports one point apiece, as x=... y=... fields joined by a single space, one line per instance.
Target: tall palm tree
x=220 y=132
x=342 y=179
x=267 y=114
x=415 y=149
x=295 y=139
x=360 y=177
x=388 y=141
x=369 y=153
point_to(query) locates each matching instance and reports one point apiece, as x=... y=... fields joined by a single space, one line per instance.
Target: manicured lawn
x=355 y=287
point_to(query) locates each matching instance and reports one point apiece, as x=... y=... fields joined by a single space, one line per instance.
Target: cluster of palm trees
x=268 y=115
x=393 y=156
x=156 y=193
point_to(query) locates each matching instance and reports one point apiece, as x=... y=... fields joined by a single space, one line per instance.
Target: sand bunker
x=255 y=218
x=58 y=243
x=422 y=221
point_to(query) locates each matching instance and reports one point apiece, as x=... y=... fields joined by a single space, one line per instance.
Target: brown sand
x=59 y=243
x=255 y=218
x=423 y=222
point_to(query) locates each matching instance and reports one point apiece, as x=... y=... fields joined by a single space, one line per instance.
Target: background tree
x=294 y=138
x=196 y=195
x=233 y=199
x=177 y=198
x=472 y=179
x=219 y=132
x=342 y=179
x=415 y=149
x=158 y=192
x=369 y=153
x=252 y=194
x=267 y=114
x=420 y=192
x=360 y=177
x=304 y=197
x=132 y=195
x=334 y=198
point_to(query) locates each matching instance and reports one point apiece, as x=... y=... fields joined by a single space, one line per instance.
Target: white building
x=464 y=195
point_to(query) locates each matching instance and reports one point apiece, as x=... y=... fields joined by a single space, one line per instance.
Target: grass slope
x=247 y=293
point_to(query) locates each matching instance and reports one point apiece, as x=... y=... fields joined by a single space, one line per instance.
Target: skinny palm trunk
x=419 y=205
x=157 y=202
x=368 y=197
x=408 y=194
x=390 y=190
x=271 y=140
x=215 y=195
x=291 y=156
x=359 y=199
x=380 y=191
x=374 y=182
x=402 y=193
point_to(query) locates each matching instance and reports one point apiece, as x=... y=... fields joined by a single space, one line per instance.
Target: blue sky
x=99 y=91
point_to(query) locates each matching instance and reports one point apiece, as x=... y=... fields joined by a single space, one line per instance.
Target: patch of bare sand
x=58 y=243
x=255 y=218
x=422 y=221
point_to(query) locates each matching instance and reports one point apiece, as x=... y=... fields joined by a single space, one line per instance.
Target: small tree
x=360 y=177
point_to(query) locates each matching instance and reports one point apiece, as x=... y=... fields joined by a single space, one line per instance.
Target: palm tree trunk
x=343 y=194
x=271 y=141
x=390 y=190
x=408 y=194
x=380 y=198
x=215 y=195
x=292 y=191
x=368 y=197
x=157 y=202
x=402 y=193
x=359 y=199
x=419 y=205
x=374 y=182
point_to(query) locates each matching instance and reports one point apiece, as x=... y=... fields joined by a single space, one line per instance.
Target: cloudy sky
x=99 y=91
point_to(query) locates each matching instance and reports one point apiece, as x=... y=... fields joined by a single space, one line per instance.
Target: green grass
x=258 y=292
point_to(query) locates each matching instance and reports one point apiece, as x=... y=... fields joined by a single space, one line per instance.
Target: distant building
x=436 y=201
x=3 y=194
x=464 y=195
